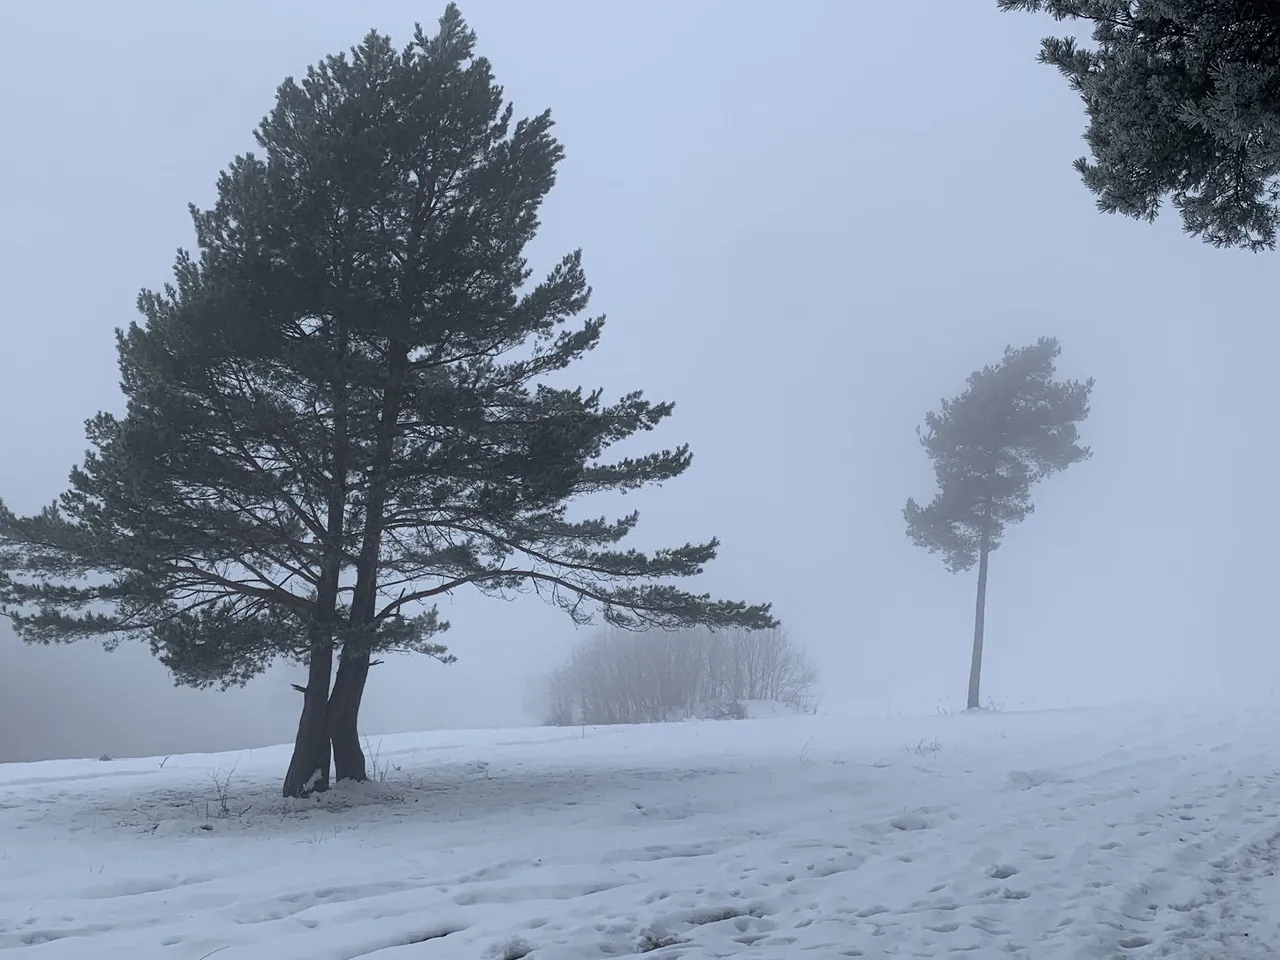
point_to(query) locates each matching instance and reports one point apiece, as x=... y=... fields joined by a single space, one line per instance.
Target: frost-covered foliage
x=658 y=675
x=1183 y=99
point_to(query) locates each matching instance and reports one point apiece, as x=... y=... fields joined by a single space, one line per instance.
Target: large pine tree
x=338 y=410
x=1183 y=100
x=1012 y=426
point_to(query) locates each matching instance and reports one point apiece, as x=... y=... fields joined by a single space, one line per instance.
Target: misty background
x=805 y=230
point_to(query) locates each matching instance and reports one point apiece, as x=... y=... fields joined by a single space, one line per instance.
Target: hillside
x=1136 y=830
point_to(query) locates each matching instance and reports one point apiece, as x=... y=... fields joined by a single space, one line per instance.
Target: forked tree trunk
x=979 y=625
x=309 y=769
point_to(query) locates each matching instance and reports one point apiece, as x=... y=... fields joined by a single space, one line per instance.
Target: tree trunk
x=353 y=666
x=979 y=625
x=344 y=715
x=309 y=768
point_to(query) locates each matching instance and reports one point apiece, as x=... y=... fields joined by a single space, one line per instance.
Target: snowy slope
x=1120 y=832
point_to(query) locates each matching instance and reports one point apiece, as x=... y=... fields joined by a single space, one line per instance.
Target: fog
x=805 y=230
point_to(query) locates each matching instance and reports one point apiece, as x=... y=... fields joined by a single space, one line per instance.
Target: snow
x=1137 y=831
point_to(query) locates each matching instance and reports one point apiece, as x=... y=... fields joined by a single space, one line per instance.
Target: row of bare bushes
x=621 y=676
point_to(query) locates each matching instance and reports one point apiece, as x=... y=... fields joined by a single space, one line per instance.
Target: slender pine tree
x=1012 y=426
x=338 y=411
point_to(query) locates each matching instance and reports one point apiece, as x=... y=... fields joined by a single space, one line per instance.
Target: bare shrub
x=221 y=803
x=621 y=676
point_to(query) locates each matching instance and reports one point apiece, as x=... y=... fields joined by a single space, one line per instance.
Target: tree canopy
x=1183 y=101
x=1012 y=426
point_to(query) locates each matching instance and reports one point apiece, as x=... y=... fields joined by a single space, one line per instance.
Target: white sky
x=804 y=230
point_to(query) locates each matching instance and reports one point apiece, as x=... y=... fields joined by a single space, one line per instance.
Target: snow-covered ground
x=1134 y=831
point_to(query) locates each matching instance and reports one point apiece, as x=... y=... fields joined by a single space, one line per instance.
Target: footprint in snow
x=909 y=821
x=1132 y=943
